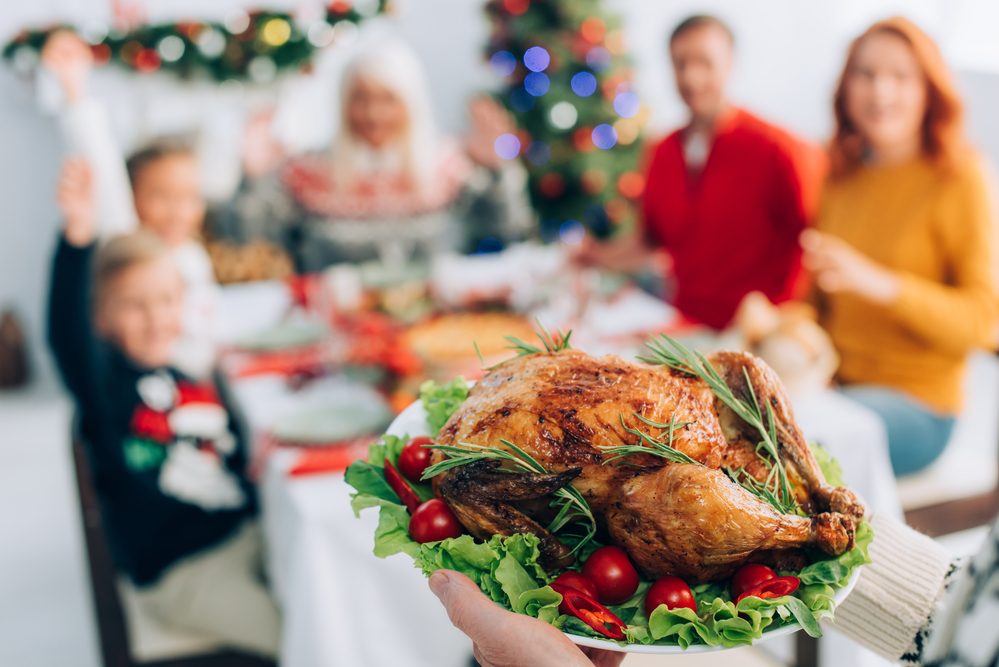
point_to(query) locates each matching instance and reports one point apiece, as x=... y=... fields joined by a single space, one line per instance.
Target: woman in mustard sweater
x=903 y=253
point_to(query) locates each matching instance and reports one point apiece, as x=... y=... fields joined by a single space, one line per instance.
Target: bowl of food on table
x=661 y=505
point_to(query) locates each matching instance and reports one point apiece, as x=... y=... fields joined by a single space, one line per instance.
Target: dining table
x=340 y=604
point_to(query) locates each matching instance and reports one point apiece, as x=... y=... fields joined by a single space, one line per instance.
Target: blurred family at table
x=885 y=240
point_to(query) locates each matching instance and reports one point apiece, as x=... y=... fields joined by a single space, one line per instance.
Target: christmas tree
x=569 y=88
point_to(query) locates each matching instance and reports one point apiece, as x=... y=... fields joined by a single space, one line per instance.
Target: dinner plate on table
x=287 y=335
x=341 y=419
x=412 y=421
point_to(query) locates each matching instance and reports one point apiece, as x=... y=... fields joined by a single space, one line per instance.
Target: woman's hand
x=838 y=267
x=489 y=121
x=75 y=194
x=70 y=59
x=501 y=638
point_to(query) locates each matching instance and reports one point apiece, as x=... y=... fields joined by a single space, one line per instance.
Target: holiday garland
x=568 y=86
x=256 y=46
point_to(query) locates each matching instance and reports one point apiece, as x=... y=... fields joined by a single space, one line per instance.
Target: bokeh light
x=516 y=7
x=537 y=59
x=262 y=69
x=598 y=58
x=538 y=153
x=583 y=84
x=593 y=29
x=320 y=34
x=236 y=22
x=507 y=146
x=211 y=43
x=275 y=32
x=563 y=115
x=503 y=63
x=604 y=136
x=537 y=83
x=571 y=232
x=171 y=48
x=631 y=184
x=628 y=130
x=626 y=104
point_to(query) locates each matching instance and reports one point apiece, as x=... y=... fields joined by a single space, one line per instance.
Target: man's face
x=702 y=61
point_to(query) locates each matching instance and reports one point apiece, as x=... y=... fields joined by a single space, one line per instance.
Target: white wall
x=789 y=54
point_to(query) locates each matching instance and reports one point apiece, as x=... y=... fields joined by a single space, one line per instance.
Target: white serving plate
x=412 y=421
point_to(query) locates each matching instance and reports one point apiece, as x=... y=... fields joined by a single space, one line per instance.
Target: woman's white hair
x=396 y=66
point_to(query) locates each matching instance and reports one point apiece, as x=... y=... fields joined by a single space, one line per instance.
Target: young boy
x=158 y=188
x=168 y=463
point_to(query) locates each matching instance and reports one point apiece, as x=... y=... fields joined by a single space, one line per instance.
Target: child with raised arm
x=158 y=188
x=168 y=460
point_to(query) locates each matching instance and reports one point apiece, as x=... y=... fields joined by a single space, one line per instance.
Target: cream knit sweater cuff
x=897 y=592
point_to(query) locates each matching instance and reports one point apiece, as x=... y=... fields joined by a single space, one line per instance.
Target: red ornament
x=101 y=53
x=189 y=29
x=551 y=185
x=340 y=7
x=593 y=29
x=516 y=7
x=147 y=60
x=582 y=139
x=631 y=184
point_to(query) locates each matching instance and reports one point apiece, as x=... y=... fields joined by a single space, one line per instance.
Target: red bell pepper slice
x=589 y=611
x=772 y=588
x=401 y=487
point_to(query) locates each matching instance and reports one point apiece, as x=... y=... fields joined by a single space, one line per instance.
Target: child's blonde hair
x=155 y=151
x=121 y=253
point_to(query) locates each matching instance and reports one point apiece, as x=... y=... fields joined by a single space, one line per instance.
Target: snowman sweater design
x=167 y=459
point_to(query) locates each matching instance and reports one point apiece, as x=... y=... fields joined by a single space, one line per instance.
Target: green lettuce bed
x=507 y=568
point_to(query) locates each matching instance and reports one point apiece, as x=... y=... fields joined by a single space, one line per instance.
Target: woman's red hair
x=943 y=126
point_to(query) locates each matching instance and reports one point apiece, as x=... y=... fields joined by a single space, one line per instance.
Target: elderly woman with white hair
x=390 y=186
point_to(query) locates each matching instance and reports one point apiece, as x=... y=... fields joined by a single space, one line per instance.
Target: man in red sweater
x=726 y=196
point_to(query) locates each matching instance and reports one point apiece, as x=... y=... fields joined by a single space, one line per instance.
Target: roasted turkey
x=672 y=518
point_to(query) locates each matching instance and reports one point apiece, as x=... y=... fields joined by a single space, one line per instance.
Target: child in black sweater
x=168 y=462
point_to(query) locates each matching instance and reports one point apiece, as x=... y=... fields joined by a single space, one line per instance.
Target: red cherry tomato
x=433 y=521
x=672 y=592
x=577 y=581
x=749 y=576
x=611 y=571
x=414 y=458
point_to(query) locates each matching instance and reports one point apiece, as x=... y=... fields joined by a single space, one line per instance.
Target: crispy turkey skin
x=686 y=519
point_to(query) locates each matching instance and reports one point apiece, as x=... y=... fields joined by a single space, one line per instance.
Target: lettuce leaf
x=441 y=401
x=507 y=570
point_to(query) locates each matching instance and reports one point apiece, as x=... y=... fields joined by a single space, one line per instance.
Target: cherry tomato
x=433 y=521
x=749 y=576
x=577 y=581
x=414 y=458
x=612 y=573
x=672 y=592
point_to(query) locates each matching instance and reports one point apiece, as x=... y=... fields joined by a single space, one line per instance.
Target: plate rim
x=409 y=416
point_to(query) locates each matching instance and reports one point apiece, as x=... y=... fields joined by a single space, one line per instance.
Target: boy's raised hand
x=75 y=195
x=70 y=59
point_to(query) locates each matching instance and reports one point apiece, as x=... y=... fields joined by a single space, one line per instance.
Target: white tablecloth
x=343 y=606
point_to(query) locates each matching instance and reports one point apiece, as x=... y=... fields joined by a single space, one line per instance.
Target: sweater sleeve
x=897 y=593
x=78 y=354
x=963 y=312
x=87 y=130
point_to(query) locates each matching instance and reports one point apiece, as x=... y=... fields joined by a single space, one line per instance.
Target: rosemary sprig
x=551 y=343
x=656 y=446
x=666 y=351
x=572 y=506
